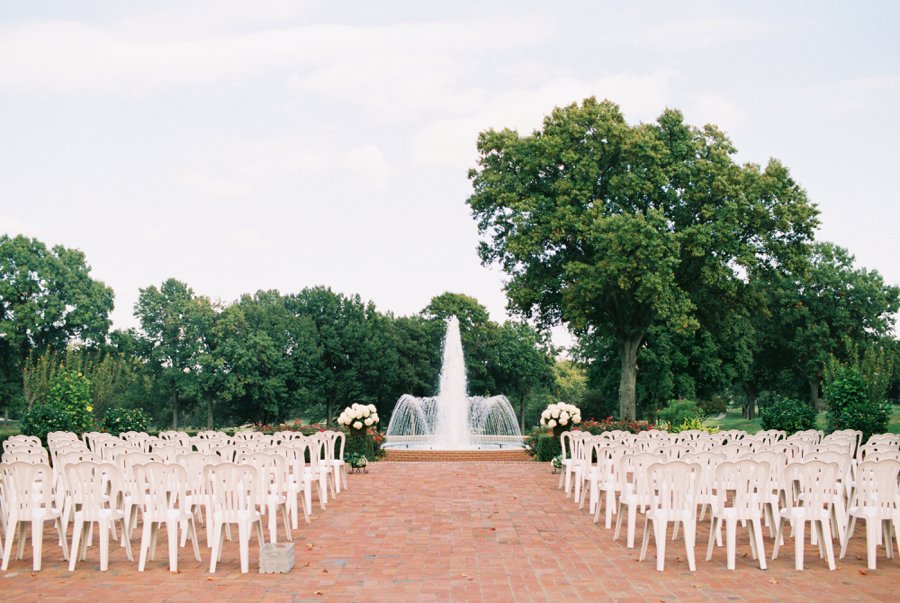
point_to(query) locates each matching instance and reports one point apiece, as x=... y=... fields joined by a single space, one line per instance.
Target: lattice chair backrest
x=159 y=488
x=814 y=484
x=747 y=481
x=28 y=487
x=233 y=490
x=676 y=486
x=26 y=455
x=94 y=486
x=876 y=487
x=21 y=441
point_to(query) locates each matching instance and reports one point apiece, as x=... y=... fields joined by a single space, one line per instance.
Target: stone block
x=276 y=558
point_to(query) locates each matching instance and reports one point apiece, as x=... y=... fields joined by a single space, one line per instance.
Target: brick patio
x=457 y=532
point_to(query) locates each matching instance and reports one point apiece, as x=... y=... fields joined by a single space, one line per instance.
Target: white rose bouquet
x=560 y=416
x=358 y=417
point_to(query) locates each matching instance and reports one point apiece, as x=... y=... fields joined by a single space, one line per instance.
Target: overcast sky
x=241 y=146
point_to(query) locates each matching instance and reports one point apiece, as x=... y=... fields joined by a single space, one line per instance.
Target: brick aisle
x=456 y=532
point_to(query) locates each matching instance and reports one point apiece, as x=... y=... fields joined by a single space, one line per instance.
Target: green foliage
x=542 y=444
x=368 y=444
x=118 y=420
x=789 y=415
x=694 y=424
x=613 y=228
x=815 y=310
x=68 y=407
x=713 y=406
x=677 y=412
x=849 y=406
x=610 y=424
x=356 y=460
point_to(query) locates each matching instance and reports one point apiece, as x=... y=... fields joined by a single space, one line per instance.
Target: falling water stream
x=452 y=420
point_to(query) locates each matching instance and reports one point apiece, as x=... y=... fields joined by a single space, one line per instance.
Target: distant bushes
x=850 y=406
x=789 y=415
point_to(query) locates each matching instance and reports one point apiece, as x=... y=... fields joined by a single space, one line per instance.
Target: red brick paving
x=457 y=532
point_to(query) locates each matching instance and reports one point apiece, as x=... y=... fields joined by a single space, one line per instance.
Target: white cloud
x=368 y=166
x=213 y=186
x=451 y=142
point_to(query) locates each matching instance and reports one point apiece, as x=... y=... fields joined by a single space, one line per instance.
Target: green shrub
x=67 y=407
x=368 y=445
x=678 y=411
x=788 y=415
x=542 y=444
x=119 y=420
x=693 y=424
x=712 y=407
x=849 y=406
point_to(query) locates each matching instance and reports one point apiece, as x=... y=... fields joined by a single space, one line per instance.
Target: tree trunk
x=628 y=347
x=329 y=405
x=749 y=410
x=175 y=411
x=209 y=413
x=814 y=392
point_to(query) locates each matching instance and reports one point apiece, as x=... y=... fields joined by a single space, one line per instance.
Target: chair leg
x=618 y=521
x=77 y=528
x=7 y=544
x=172 y=534
x=779 y=527
x=62 y=538
x=145 y=544
x=244 y=539
x=712 y=535
x=756 y=526
x=610 y=504
x=287 y=526
x=646 y=539
x=871 y=541
x=659 y=532
x=194 y=540
x=690 y=536
x=104 y=544
x=827 y=540
x=37 y=542
x=218 y=530
x=799 y=542
x=730 y=542
x=127 y=541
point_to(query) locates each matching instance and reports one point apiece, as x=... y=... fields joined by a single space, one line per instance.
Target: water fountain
x=452 y=420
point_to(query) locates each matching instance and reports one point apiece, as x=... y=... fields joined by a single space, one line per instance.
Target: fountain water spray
x=452 y=420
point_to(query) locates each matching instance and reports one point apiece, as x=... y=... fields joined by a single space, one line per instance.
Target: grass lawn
x=734 y=420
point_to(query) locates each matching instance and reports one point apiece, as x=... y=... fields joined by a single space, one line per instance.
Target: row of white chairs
x=749 y=473
x=169 y=484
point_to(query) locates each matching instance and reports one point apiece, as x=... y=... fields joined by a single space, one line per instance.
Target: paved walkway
x=457 y=532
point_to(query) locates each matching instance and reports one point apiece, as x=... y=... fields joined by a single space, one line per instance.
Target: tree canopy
x=612 y=228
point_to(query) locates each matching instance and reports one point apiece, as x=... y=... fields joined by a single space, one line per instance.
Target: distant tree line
x=266 y=357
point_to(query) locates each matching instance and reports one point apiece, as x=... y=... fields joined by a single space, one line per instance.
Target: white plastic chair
x=636 y=493
x=28 y=498
x=810 y=493
x=748 y=481
x=96 y=491
x=675 y=500
x=876 y=500
x=161 y=496
x=271 y=472
x=233 y=490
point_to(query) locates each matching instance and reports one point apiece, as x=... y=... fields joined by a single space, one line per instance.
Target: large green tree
x=47 y=299
x=356 y=357
x=173 y=323
x=823 y=308
x=612 y=228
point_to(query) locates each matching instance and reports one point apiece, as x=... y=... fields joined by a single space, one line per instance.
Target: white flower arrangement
x=358 y=416
x=560 y=414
